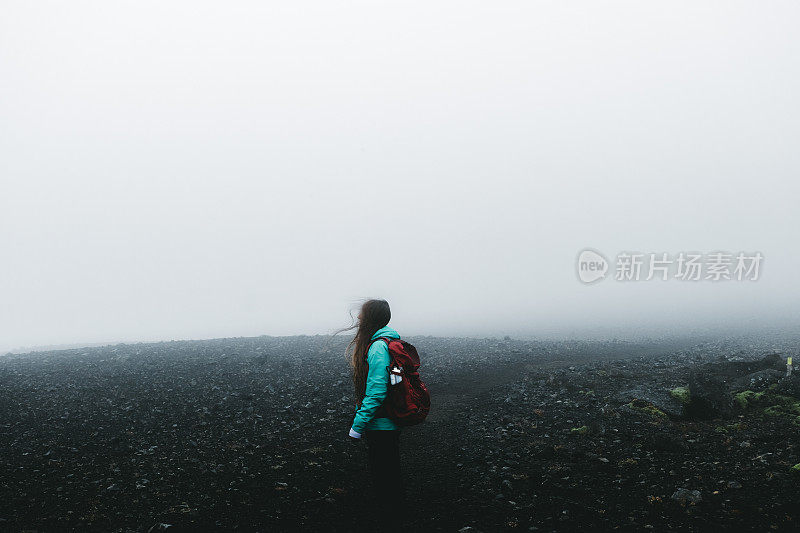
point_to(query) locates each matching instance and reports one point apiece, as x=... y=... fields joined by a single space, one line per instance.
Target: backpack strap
x=385 y=339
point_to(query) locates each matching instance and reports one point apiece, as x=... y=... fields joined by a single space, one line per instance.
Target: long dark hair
x=375 y=314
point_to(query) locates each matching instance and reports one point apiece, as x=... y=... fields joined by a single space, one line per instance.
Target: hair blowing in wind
x=374 y=315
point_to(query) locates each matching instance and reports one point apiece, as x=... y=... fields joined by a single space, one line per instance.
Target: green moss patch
x=744 y=398
x=770 y=404
x=748 y=398
x=647 y=408
x=786 y=407
x=681 y=394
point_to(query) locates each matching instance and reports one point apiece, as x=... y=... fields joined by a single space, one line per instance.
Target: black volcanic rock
x=250 y=434
x=789 y=386
x=710 y=396
x=758 y=381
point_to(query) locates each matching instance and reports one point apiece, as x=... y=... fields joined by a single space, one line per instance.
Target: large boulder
x=789 y=386
x=758 y=381
x=658 y=397
x=736 y=369
x=712 y=385
x=709 y=396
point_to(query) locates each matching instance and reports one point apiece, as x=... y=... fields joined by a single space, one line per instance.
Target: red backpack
x=407 y=402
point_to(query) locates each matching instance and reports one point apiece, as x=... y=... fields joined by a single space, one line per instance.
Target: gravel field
x=250 y=434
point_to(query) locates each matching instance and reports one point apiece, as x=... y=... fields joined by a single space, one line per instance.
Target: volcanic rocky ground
x=250 y=434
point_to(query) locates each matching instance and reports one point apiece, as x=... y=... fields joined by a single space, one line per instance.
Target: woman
x=370 y=362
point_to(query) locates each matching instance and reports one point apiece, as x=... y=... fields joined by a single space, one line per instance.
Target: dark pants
x=383 y=450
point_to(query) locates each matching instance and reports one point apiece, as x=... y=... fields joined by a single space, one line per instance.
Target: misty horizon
x=191 y=171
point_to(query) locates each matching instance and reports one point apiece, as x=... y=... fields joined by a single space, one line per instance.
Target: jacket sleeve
x=377 y=385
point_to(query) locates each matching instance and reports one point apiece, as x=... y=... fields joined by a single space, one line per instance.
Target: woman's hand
x=354 y=434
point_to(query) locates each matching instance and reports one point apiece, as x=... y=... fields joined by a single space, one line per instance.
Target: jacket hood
x=386 y=331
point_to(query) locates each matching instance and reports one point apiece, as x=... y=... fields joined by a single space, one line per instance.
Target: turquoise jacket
x=377 y=385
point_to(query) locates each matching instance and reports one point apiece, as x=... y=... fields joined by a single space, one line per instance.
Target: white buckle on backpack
x=395 y=375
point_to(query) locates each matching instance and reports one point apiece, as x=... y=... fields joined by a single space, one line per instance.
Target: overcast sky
x=185 y=169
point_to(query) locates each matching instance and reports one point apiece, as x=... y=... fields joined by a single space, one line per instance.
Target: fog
x=174 y=170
